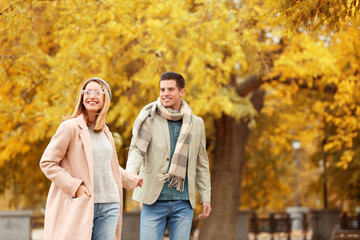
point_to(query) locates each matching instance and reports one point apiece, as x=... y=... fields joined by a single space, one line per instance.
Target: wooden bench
x=341 y=234
x=276 y=223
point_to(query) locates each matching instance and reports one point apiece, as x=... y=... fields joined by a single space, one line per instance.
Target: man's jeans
x=177 y=215
x=106 y=217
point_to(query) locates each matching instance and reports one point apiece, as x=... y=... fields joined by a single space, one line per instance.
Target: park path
x=37 y=234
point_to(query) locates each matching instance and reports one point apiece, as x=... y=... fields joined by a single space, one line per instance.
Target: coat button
x=167 y=159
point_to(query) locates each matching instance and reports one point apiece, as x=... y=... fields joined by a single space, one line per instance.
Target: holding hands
x=140 y=182
x=82 y=190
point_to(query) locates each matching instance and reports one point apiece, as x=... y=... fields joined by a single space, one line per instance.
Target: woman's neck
x=92 y=117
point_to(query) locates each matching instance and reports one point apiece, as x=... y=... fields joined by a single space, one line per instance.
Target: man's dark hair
x=180 y=81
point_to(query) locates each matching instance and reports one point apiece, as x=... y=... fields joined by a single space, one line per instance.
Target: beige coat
x=156 y=162
x=68 y=162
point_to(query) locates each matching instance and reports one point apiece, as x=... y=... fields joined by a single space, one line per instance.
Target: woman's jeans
x=178 y=215
x=106 y=217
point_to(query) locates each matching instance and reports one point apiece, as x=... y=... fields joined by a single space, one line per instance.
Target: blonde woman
x=85 y=197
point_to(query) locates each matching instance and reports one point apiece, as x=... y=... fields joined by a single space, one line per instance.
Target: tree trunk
x=229 y=153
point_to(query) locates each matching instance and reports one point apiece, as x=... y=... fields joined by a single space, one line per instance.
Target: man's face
x=170 y=94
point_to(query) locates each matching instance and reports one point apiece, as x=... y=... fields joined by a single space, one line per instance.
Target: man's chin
x=167 y=105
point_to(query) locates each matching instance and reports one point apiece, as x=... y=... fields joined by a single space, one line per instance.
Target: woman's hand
x=140 y=182
x=82 y=190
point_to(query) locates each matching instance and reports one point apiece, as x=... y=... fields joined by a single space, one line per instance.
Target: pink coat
x=68 y=162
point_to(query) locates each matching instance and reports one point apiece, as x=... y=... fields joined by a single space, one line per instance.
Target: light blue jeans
x=178 y=215
x=106 y=217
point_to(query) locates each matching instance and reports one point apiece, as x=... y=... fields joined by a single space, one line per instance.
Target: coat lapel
x=86 y=141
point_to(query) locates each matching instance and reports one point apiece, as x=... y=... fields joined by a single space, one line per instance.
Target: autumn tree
x=309 y=82
x=48 y=50
x=316 y=16
x=327 y=91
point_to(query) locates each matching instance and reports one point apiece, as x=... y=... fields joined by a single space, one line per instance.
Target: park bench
x=350 y=221
x=341 y=234
x=37 y=221
x=274 y=224
x=349 y=228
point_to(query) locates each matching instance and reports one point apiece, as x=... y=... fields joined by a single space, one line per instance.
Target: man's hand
x=206 y=210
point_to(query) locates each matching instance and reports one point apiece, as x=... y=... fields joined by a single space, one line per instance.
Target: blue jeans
x=106 y=217
x=177 y=215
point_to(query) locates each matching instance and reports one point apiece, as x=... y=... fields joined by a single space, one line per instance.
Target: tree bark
x=229 y=154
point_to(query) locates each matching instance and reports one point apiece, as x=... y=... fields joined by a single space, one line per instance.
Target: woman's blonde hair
x=80 y=108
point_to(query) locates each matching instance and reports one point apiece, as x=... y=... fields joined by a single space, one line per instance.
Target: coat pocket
x=75 y=218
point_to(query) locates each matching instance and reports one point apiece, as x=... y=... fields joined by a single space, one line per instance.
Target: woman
x=85 y=197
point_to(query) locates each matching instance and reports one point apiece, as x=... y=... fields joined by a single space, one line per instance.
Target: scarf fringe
x=173 y=181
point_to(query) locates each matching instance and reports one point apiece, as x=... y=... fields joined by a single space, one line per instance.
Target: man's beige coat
x=157 y=162
x=68 y=162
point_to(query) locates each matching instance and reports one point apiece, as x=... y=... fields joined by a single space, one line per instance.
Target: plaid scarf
x=142 y=133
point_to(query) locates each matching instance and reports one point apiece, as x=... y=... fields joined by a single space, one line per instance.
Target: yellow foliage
x=312 y=95
x=345 y=160
x=315 y=15
x=48 y=47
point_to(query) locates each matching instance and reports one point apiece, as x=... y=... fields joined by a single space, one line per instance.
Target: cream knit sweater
x=105 y=189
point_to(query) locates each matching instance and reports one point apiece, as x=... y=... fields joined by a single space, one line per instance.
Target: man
x=168 y=149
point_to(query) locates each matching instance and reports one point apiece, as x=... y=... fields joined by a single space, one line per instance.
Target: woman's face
x=93 y=97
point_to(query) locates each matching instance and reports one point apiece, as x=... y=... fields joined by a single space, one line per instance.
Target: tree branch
x=254 y=81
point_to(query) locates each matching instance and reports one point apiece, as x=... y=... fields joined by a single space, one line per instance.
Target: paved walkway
x=37 y=234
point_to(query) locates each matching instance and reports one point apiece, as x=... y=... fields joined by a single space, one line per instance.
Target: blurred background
x=276 y=82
